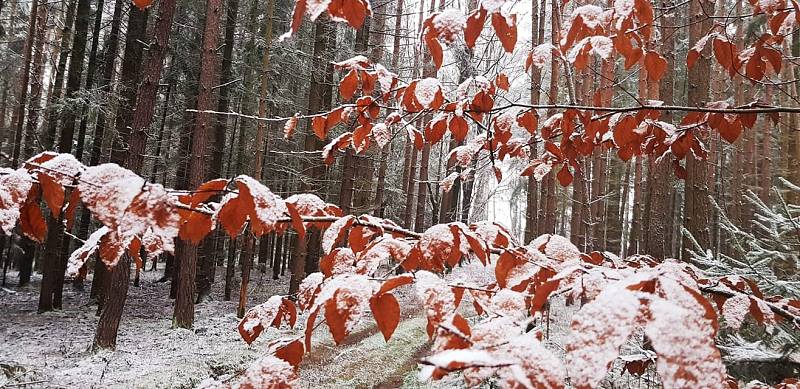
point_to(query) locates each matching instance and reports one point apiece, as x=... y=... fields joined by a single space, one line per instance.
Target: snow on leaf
x=264 y=207
x=345 y=297
x=509 y=303
x=339 y=261
x=151 y=212
x=447 y=183
x=14 y=188
x=269 y=372
x=448 y=24
x=436 y=296
x=79 y=257
x=541 y=54
x=535 y=366
x=381 y=249
x=687 y=355
x=308 y=290
x=427 y=90
x=734 y=310
x=556 y=247
x=381 y=134
x=438 y=364
x=336 y=232
x=599 y=329
x=272 y=313
x=107 y=190
x=591 y=15
x=64 y=168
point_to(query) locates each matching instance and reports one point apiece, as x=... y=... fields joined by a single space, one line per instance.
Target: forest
x=400 y=193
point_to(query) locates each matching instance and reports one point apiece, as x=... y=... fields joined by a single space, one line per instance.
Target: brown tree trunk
x=656 y=242
x=49 y=134
x=319 y=98
x=90 y=72
x=117 y=288
x=261 y=136
x=184 y=302
x=207 y=261
x=109 y=63
x=697 y=209
x=18 y=117
x=74 y=75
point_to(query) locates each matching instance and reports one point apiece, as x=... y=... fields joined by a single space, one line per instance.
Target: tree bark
x=49 y=135
x=184 y=302
x=696 y=208
x=117 y=288
x=18 y=117
x=319 y=98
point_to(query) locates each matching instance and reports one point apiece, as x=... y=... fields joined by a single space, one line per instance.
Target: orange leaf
x=502 y=82
x=52 y=193
x=395 y=282
x=656 y=65
x=69 y=213
x=564 y=176
x=506 y=29
x=458 y=128
x=475 y=23
x=233 y=214
x=142 y=4
x=319 y=126
x=386 y=310
x=435 y=48
x=348 y=85
x=31 y=222
x=291 y=352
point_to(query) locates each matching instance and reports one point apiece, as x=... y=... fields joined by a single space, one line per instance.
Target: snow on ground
x=51 y=350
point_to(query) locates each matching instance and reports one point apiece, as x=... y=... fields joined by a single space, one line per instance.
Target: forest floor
x=51 y=350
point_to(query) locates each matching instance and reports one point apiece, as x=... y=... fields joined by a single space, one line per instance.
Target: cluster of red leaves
x=617 y=296
x=447 y=25
x=352 y=12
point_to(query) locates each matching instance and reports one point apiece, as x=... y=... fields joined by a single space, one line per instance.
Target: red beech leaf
x=348 y=85
x=31 y=221
x=506 y=29
x=386 y=311
x=52 y=193
x=291 y=352
x=69 y=213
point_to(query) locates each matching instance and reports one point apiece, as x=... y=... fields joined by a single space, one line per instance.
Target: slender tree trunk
x=208 y=260
x=656 y=243
x=117 y=292
x=319 y=98
x=261 y=136
x=697 y=208
x=184 y=303
x=74 y=75
x=18 y=118
x=91 y=69
x=49 y=135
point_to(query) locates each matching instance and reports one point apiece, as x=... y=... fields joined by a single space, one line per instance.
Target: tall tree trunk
x=74 y=75
x=91 y=69
x=248 y=243
x=319 y=98
x=49 y=134
x=697 y=209
x=109 y=63
x=380 y=188
x=537 y=37
x=18 y=117
x=208 y=260
x=117 y=288
x=184 y=302
x=656 y=242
